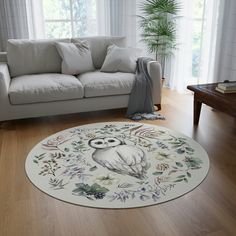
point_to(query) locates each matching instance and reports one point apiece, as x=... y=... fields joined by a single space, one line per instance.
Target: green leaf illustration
x=189 y=175
x=81 y=187
x=40 y=157
x=85 y=189
x=180 y=151
x=179 y=164
x=93 y=168
x=172 y=171
x=193 y=162
x=42 y=154
x=181 y=176
x=157 y=173
x=96 y=188
x=178 y=180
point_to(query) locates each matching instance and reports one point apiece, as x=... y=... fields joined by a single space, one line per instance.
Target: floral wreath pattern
x=117 y=165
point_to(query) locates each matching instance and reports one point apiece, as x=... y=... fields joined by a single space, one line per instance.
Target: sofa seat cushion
x=98 y=83
x=44 y=88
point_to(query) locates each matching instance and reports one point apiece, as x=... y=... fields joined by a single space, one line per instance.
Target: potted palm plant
x=158 y=28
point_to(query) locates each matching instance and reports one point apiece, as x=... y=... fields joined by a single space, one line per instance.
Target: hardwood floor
x=208 y=210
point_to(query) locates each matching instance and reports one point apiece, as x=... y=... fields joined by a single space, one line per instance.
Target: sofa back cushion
x=98 y=46
x=3 y=57
x=33 y=56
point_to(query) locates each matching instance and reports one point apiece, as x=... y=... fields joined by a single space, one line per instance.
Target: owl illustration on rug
x=119 y=157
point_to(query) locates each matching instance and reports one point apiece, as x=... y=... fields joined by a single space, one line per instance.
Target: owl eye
x=98 y=142
x=111 y=140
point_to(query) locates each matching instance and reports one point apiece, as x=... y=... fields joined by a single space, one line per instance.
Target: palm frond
x=158 y=26
x=161 y=6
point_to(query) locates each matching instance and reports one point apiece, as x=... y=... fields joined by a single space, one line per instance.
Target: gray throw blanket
x=140 y=100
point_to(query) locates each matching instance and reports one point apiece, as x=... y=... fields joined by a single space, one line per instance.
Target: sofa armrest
x=4 y=79
x=154 y=70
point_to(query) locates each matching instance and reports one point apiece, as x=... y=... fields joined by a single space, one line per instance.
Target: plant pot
x=162 y=81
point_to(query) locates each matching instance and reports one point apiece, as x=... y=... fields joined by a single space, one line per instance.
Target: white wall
x=227 y=53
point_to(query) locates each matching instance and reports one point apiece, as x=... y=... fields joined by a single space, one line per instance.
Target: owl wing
x=131 y=161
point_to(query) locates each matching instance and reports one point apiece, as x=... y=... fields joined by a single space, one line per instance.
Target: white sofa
x=31 y=83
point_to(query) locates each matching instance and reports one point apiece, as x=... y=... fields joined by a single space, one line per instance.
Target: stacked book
x=229 y=87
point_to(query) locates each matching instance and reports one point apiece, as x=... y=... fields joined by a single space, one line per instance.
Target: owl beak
x=106 y=143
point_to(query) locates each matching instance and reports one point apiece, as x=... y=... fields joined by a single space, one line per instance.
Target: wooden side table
x=206 y=93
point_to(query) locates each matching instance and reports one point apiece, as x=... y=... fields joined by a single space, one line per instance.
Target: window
x=69 y=18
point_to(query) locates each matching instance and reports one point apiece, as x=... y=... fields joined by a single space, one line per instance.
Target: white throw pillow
x=121 y=59
x=76 y=57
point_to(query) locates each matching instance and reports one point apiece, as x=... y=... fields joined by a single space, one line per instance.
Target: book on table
x=229 y=86
x=225 y=91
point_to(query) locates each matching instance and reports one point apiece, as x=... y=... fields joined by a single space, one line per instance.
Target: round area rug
x=117 y=165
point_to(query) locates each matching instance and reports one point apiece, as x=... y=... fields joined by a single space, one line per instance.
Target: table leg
x=197 y=111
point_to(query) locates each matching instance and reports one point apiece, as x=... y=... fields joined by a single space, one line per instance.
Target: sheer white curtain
x=35 y=19
x=20 y=19
x=226 y=59
x=219 y=36
x=180 y=65
x=180 y=69
x=13 y=21
x=212 y=32
x=103 y=17
x=117 y=18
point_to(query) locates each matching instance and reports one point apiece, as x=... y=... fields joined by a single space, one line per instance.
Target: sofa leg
x=157 y=107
